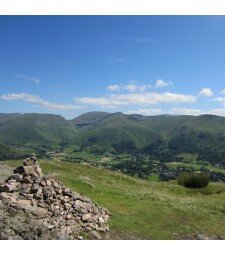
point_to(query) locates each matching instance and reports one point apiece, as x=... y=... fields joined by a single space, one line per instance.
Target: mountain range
x=161 y=135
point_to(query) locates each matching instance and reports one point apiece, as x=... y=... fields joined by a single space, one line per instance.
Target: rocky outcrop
x=35 y=206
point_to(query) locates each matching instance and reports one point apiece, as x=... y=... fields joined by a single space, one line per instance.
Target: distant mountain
x=35 y=130
x=116 y=130
x=88 y=118
x=102 y=131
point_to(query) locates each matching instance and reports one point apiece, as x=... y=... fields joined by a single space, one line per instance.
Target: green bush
x=193 y=180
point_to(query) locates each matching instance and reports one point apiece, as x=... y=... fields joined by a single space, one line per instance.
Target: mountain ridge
x=116 y=132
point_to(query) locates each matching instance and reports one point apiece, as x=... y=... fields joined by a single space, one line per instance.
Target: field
x=143 y=209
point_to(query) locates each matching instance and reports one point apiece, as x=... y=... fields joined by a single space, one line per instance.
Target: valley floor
x=142 y=209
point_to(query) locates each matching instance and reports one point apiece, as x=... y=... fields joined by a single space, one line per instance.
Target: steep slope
x=35 y=130
x=102 y=131
x=88 y=118
x=204 y=135
x=119 y=131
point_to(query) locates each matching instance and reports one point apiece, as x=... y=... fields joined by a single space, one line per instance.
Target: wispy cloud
x=196 y=112
x=220 y=100
x=161 y=83
x=206 y=92
x=113 y=87
x=219 y=112
x=147 y=112
x=185 y=111
x=29 y=78
x=177 y=111
x=147 y=98
x=36 y=100
x=136 y=88
x=131 y=87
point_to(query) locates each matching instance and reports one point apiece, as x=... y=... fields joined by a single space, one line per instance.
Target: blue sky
x=150 y=65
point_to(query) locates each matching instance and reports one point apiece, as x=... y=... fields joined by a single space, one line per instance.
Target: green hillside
x=119 y=131
x=164 y=136
x=146 y=210
x=88 y=118
x=35 y=130
x=6 y=152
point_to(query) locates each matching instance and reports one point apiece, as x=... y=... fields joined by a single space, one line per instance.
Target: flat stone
x=17 y=177
x=86 y=217
x=95 y=235
x=35 y=187
x=68 y=216
x=37 y=180
x=42 y=205
x=48 y=183
x=29 y=169
x=25 y=188
x=78 y=203
x=38 y=195
x=59 y=191
x=24 y=202
x=27 y=196
x=43 y=183
x=101 y=220
x=8 y=187
x=27 y=180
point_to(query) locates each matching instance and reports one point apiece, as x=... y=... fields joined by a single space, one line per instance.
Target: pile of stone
x=52 y=210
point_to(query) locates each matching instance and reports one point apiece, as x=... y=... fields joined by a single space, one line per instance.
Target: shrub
x=193 y=180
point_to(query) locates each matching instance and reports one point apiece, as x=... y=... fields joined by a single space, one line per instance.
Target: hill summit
x=35 y=206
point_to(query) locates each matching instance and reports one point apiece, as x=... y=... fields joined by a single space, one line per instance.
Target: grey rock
x=95 y=235
x=35 y=187
x=86 y=217
x=17 y=177
x=47 y=209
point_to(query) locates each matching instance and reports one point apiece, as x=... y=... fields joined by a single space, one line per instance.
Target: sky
x=148 y=65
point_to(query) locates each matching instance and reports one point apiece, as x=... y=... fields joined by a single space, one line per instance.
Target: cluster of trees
x=143 y=167
x=138 y=165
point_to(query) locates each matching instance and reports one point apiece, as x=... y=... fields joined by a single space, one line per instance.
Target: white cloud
x=220 y=99
x=28 y=78
x=147 y=112
x=113 y=87
x=36 y=100
x=179 y=111
x=136 y=88
x=161 y=83
x=207 y=92
x=219 y=112
x=196 y=112
x=133 y=81
x=132 y=87
x=185 y=111
x=148 y=98
x=223 y=91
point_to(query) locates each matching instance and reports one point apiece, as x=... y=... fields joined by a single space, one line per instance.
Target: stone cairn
x=49 y=206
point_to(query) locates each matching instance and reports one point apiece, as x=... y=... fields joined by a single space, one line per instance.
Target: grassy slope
x=35 y=129
x=142 y=209
x=116 y=128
